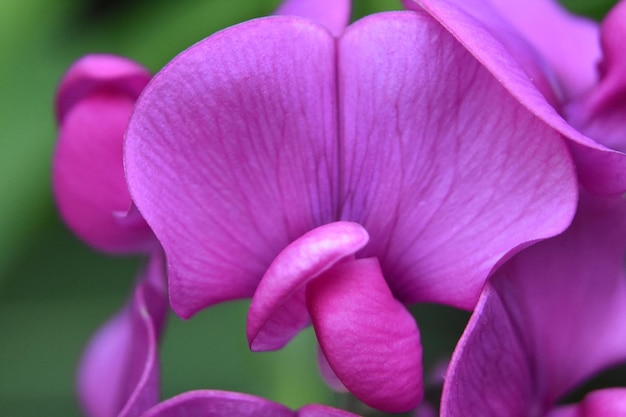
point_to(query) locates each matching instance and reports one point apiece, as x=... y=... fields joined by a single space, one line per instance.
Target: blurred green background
x=54 y=291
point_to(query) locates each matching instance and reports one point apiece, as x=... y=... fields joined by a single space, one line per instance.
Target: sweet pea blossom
x=336 y=178
x=119 y=374
x=549 y=61
x=93 y=104
x=549 y=318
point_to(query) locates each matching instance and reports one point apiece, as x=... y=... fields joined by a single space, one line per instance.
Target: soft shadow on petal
x=231 y=154
x=569 y=43
x=334 y=14
x=600 y=169
x=370 y=339
x=601 y=114
x=95 y=101
x=558 y=312
x=118 y=375
x=443 y=167
x=278 y=310
x=490 y=374
x=209 y=403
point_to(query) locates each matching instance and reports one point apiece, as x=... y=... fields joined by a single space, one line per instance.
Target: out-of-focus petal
x=559 y=311
x=209 y=403
x=327 y=373
x=95 y=101
x=278 y=311
x=600 y=169
x=334 y=14
x=609 y=402
x=231 y=154
x=315 y=410
x=96 y=73
x=446 y=171
x=601 y=114
x=569 y=43
x=369 y=338
x=118 y=375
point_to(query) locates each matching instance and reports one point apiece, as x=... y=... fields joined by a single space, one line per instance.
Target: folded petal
x=444 y=168
x=569 y=43
x=601 y=114
x=210 y=403
x=118 y=375
x=231 y=152
x=369 y=338
x=600 y=169
x=490 y=374
x=559 y=310
x=94 y=103
x=278 y=310
x=334 y=14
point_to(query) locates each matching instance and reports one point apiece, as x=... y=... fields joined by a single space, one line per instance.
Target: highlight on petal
x=609 y=402
x=94 y=103
x=445 y=169
x=600 y=169
x=211 y=403
x=278 y=310
x=334 y=14
x=555 y=314
x=118 y=374
x=231 y=154
x=370 y=339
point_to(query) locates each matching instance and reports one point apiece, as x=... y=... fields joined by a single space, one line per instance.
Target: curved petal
x=601 y=114
x=609 y=402
x=210 y=403
x=489 y=359
x=327 y=373
x=231 y=153
x=94 y=103
x=369 y=338
x=600 y=169
x=99 y=72
x=559 y=309
x=443 y=167
x=334 y=14
x=278 y=311
x=118 y=375
x=569 y=43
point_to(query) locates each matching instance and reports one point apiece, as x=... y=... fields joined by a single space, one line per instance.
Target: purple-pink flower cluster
x=464 y=153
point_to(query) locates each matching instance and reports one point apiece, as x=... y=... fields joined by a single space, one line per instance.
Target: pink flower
x=549 y=318
x=336 y=178
x=548 y=60
x=93 y=105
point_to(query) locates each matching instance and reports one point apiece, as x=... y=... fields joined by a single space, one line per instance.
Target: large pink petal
x=599 y=168
x=334 y=14
x=601 y=113
x=118 y=375
x=94 y=103
x=278 y=310
x=569 y=43
x=369 y=338
x=443 y=167
x=210 y=403
x=559 y=307
x=231 y=154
